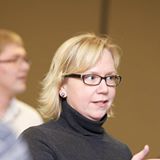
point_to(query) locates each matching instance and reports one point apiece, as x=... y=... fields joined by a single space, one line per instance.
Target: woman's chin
x=97 y=117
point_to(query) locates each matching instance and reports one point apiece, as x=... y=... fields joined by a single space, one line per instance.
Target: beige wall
x=134 y=25
x=44 y=25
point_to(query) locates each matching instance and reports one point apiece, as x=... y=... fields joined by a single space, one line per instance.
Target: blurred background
x=133 y=25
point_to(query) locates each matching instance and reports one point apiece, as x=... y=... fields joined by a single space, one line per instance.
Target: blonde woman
x=78 y=93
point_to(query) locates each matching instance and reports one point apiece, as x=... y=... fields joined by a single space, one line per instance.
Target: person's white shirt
x=21 y=116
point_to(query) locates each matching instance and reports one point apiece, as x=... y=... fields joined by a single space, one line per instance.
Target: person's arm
x=142 y=154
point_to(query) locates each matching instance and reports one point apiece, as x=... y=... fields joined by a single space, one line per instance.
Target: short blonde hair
x=8 y=37
x=75 y=55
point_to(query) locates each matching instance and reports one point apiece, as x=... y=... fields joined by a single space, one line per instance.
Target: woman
x=78 y=93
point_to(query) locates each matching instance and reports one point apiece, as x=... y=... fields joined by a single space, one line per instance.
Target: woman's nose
x=102 y=87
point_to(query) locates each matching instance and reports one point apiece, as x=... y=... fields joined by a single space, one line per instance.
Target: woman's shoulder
x=40 y=140
x=43 y=130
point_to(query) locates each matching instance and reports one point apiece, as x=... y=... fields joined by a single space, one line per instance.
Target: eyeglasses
x=17 y=60
x=94 y=80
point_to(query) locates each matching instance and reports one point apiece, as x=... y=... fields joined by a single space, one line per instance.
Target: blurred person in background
x=12 y=148
x=14 y=68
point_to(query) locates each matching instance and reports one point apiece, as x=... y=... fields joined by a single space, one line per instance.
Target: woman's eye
x=111 y=77
x=91 y=77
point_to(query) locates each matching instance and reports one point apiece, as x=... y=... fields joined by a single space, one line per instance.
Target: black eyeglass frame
x=82 y=76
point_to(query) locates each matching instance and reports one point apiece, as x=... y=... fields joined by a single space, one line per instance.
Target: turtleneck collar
x=81 y=124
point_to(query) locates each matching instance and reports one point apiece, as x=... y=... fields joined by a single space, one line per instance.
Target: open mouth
x=101 y=103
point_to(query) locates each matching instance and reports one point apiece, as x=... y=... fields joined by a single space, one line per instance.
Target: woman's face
x=92 y=102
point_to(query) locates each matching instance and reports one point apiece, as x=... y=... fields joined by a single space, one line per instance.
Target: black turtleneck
x=79 y=123
x=74 y=137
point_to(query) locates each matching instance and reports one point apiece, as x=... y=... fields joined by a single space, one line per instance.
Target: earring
x=62 y=94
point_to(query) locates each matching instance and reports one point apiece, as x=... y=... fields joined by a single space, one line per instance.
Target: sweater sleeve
x=128 y=152
x=38 y=144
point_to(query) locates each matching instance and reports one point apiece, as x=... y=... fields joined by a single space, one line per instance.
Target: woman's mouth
x=101 y=103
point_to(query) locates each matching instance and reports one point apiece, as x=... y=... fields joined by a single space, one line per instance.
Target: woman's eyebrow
x=97 y=73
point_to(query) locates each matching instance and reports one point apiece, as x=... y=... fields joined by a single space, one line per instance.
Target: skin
x=13 y=75
x=142 y=154
x=92 y=102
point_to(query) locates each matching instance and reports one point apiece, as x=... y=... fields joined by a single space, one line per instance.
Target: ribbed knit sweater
x=74 y=137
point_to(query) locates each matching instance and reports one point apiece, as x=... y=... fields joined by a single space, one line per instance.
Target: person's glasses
x=94 y=80
x=16 y=60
